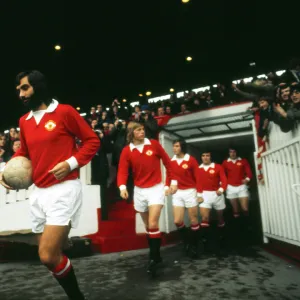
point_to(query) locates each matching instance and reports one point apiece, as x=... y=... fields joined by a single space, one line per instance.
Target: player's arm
x=167 y=163
x=79 y=128
x=248 y=171
x=199 y=186
x=122 y=175
x=23 y=151
x=223 y=180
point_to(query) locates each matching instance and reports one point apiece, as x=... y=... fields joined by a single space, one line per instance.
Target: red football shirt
x=52 y=141
x=237 y=171
x=185 y=173
x=211 y=178
x=145 y=165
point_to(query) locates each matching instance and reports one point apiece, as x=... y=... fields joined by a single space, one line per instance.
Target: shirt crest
x=50 y=125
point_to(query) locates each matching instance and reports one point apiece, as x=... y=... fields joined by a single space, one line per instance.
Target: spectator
x=293 y=112
x=168 y=110
x=183 y=109
x=104 y=118
x=99 y=110
x=137 y=112
x=92 y=115
x=116 y=115
x=266 y=115
x=151 y=126
x=16 y=145
x=4 y=154
x=209 y=102
x=160 y=112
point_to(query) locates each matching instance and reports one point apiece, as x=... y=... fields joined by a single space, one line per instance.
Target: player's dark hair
x=39 y=83
x=183 y=145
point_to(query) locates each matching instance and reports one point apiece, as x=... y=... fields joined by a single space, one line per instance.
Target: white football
x=18 y=173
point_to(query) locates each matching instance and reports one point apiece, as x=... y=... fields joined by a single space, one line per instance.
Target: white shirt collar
x=186 y=157
x=233 y=160
x=51 y=108
x=212 y=165
x=146 y=142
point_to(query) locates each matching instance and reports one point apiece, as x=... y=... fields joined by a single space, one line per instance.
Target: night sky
x=123 y=48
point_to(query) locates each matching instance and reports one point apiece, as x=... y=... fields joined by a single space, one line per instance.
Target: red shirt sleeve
x=199 y=181
x=77 y=126
x=165 y=158
x=223 y=178
x=195 y=167
x=248 y=169
x=123 y=168
x=224 y=165
x=23 y=151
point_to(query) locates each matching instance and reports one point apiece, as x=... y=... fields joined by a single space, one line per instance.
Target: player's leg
x=194 y=231
x=178 y=213
x=154 y=232
x=235 y=207
x=219 y=206
x=245 y=224
x=205 y=225
x=50 y=252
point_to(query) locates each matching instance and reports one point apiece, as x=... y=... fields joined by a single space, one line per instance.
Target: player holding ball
x=48 y=134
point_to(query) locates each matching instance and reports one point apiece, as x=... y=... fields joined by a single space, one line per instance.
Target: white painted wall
x=211 y=113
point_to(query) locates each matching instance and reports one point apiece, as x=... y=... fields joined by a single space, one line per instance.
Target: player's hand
x=61 y=170
x=173 y=189
x=124 y=194
x=219 y=193
x=245 y=181
x=2 y=182
x=200 y=200
x=167 y=192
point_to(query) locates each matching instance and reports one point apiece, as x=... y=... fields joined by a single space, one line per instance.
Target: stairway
x=118 y=233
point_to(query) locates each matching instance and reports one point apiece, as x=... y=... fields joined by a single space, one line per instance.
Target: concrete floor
x=255 y=275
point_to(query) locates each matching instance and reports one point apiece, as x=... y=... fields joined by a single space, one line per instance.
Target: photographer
x=100 y=169
x=150 y=124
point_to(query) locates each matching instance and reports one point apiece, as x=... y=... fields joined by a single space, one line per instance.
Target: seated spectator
x=183 y=109
x=16 y=145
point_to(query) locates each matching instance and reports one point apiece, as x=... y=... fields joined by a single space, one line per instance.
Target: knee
x=49 y=259
x=204 y=219
x=194 y=220
x=152 y=224
x=178 y=222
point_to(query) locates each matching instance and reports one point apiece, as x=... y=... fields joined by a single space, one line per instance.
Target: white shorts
x=212 y=200
x=234 y=192
x=185 y=198
x=145 y=197
x=58 y=205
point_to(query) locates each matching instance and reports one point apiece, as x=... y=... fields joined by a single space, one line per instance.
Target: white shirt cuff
x=247 y=178
x=174 y=182
x=199 y=194
x=122 y=187
x=166 y=188
x=2 y=166
x=73 y=163
x=221 y=190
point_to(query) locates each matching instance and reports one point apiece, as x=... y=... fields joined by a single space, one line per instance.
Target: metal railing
x=280 y=195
